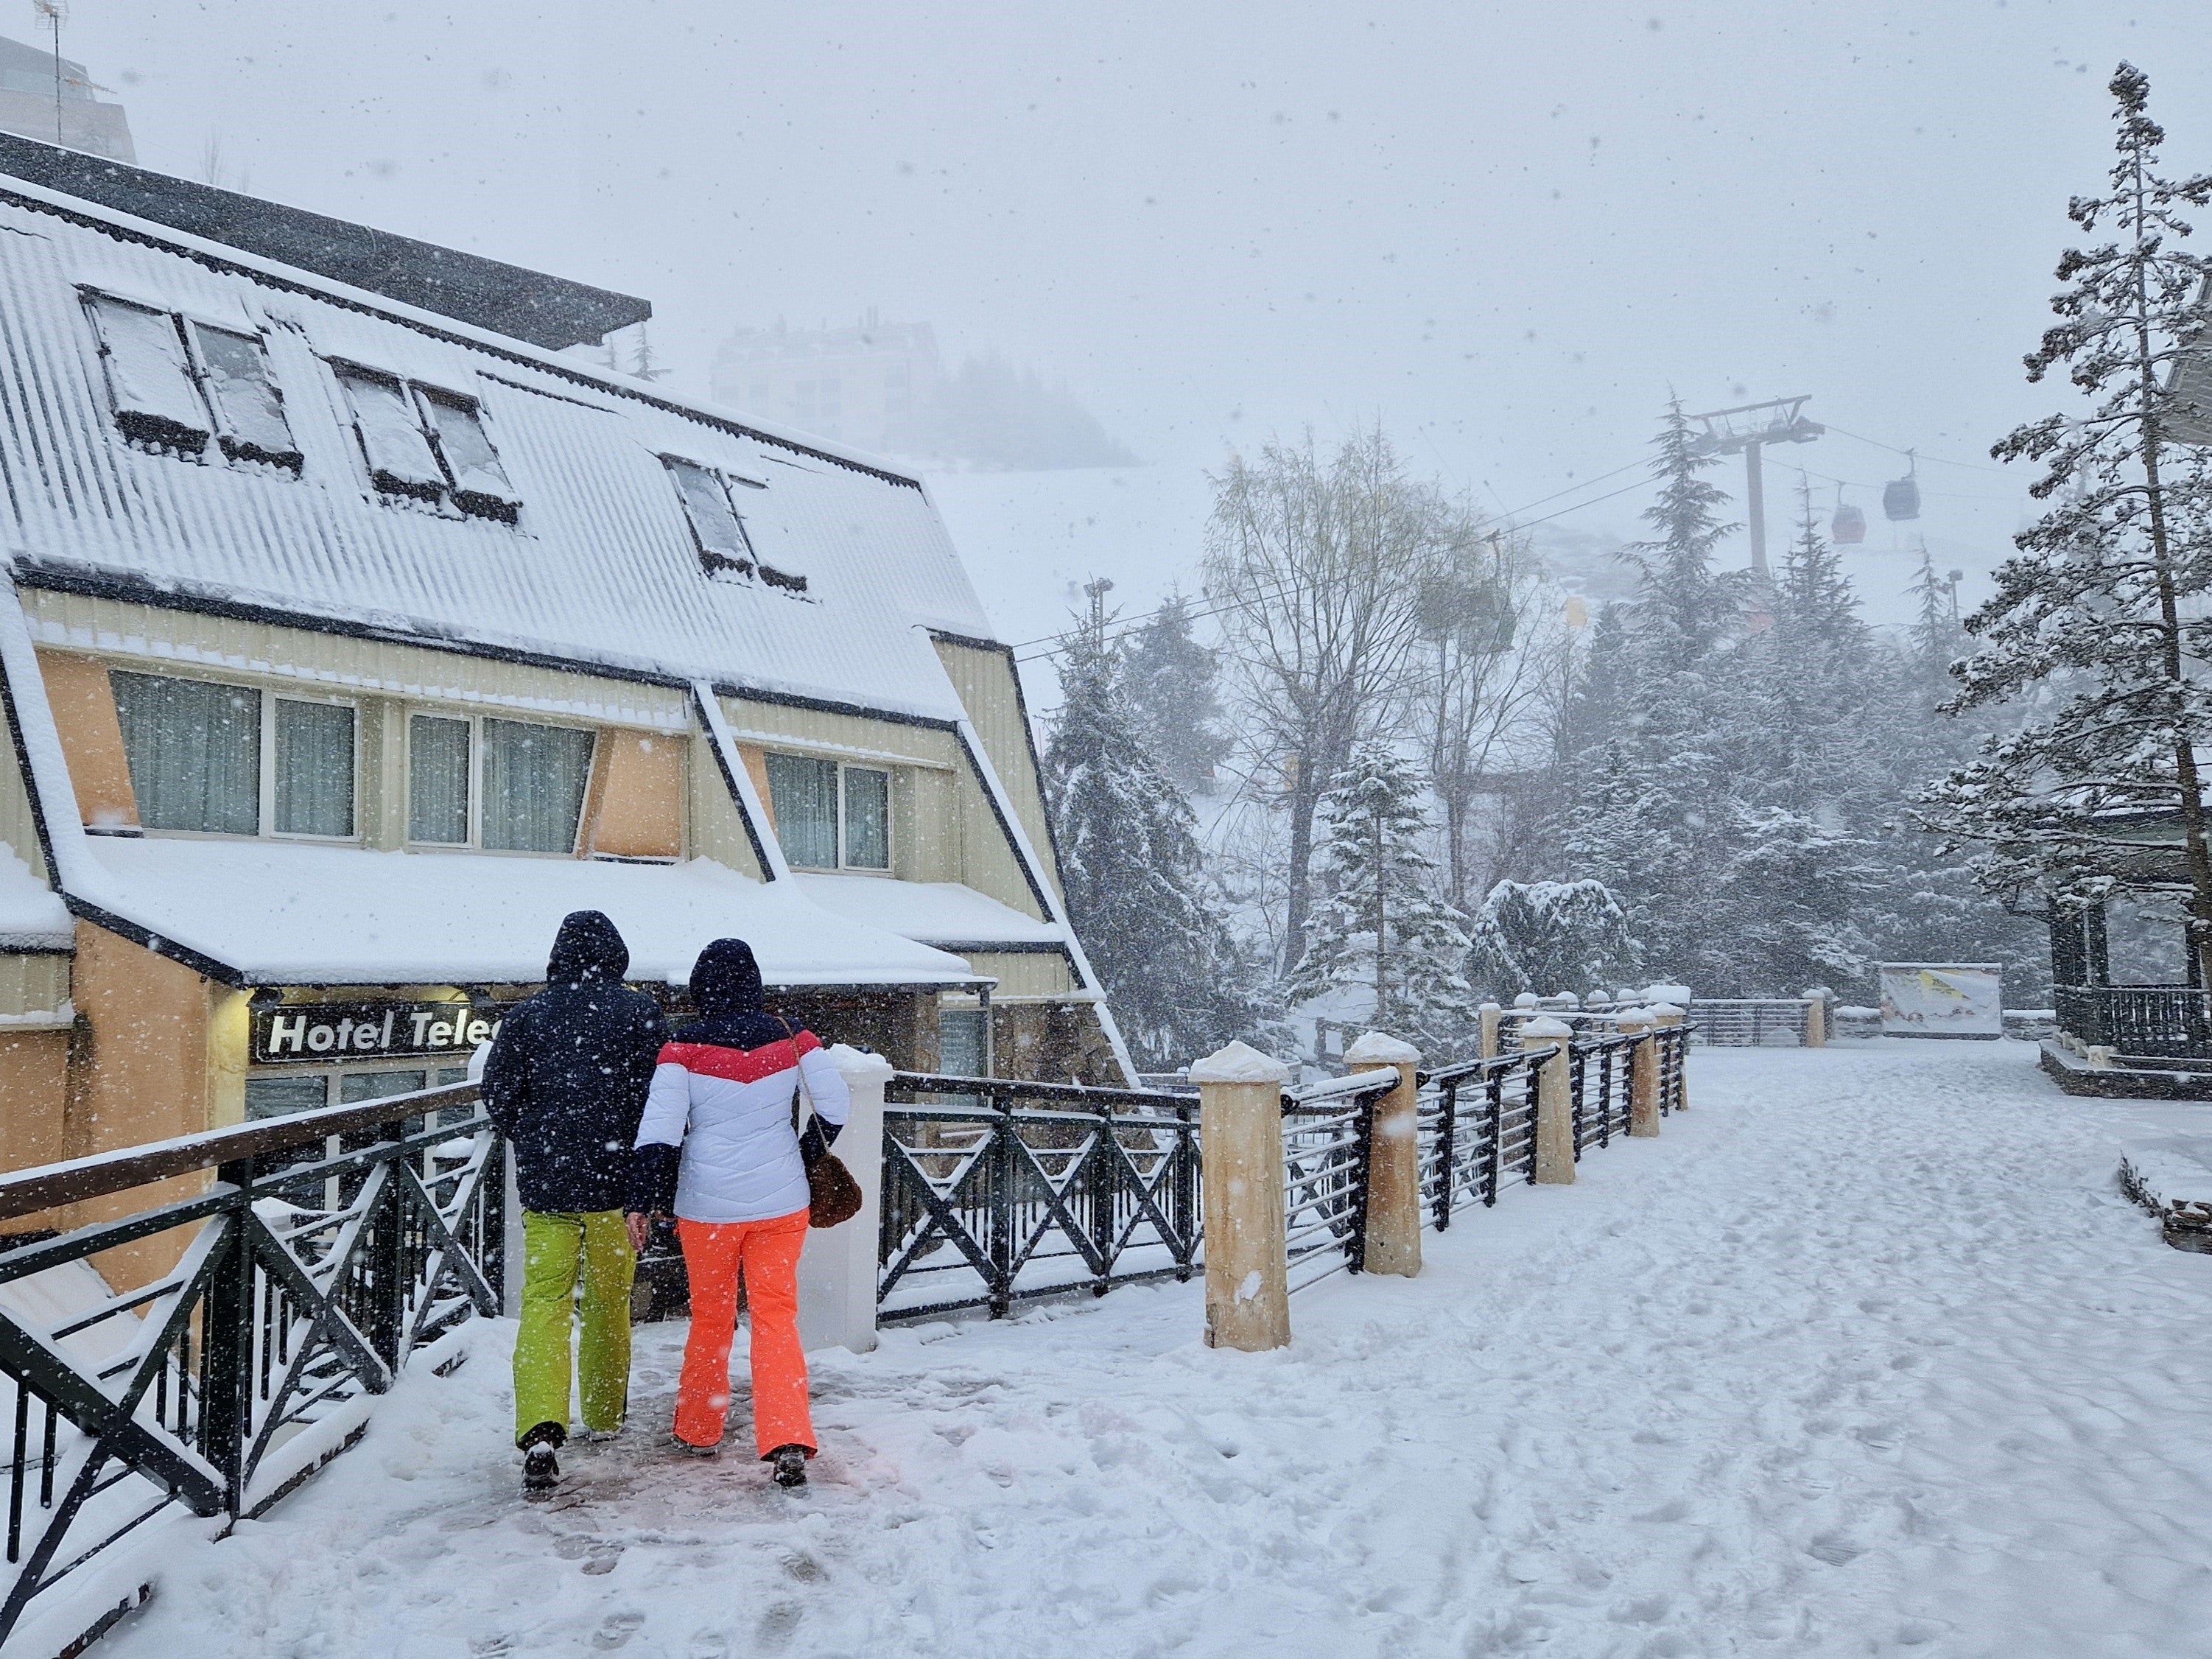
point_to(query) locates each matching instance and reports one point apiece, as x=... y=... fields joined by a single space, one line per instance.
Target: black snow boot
x=541 y=1469
x=790 y=1465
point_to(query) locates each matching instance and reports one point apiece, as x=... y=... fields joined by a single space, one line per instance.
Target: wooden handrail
x=28 y=1191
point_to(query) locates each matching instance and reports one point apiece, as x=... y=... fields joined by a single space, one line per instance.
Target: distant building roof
x=546 y=311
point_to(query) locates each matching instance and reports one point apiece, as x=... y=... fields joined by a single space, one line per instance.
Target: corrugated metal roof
x=600 y=568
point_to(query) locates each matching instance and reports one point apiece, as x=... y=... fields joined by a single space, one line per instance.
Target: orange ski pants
x=768 y=1252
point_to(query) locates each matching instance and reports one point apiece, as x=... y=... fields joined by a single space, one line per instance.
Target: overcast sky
x=1507 y=232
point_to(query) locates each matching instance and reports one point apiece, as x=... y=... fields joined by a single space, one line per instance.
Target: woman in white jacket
x=718 y=1147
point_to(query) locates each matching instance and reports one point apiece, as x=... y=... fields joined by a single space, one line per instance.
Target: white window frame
x=891 y=815
x=474 y=719
x=266 y=769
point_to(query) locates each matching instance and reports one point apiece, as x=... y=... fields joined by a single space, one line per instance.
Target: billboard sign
x=1942 y=999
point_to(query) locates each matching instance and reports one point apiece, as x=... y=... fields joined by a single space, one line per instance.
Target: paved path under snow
x=1865 y=1356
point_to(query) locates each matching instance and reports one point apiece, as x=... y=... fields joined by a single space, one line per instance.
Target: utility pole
x=54 y=11
x=1748 y=429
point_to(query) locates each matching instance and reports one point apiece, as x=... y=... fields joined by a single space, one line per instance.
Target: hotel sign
x=364 y=1030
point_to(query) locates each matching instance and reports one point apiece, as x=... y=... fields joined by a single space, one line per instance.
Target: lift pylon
x=1749 y=428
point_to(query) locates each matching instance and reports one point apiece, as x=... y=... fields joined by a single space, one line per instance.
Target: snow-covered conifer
x=1550 y=936
x=1130 y=862
x=1381 y=927
x=2101 y=614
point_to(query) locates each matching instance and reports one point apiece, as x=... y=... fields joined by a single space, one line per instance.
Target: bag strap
x=798 y=1061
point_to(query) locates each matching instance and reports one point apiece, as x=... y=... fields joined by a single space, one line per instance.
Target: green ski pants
x=559 y=1253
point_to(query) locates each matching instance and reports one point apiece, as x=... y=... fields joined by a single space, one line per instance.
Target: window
x=830 y=816
x=507 y=786
x=149 y=376
x=175 y=381
x=716 y=530
x=194 y=751
x=438 y=773
x=427 y=444
x=229 y=760
x=314 y=768
x=249 y=410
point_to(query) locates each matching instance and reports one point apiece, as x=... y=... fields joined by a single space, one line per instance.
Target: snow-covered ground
x=1865 y=1356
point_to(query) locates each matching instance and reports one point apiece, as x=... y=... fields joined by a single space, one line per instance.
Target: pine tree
x=1551 y=936
x=1171 y=681
x=1131 y=865
x=1684 y=607
x=1382 y=928
x=2101 y=611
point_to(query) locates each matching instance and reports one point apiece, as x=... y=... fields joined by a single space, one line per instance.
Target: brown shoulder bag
x=832 y=1193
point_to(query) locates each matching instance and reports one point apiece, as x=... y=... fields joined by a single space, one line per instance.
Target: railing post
x=1492 y=1015
x=1667 y=1013
x=1816 y=1017
x=1394 y=1157
x=1555 y=1105
x=227 y=1344
x=837 y=1271
x=1248 y=1298
x=1643 y=1073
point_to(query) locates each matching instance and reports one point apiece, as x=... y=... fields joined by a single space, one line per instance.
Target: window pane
x=149 y=379
x=314 y=768
x=480 y=484
x=356 y=1086
x=437 y=780
x=803 y=796
x=867 y=818
x=194 y=749
x=277 y=1097
x=960 y=1042
x=392 y=438
x=248 y=404
x=721 y=538
x=534 y=778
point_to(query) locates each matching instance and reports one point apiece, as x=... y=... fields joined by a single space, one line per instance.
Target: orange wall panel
x=637 y=809
x=92 y=737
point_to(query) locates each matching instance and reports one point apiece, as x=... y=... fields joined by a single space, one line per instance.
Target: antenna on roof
x=55 y=12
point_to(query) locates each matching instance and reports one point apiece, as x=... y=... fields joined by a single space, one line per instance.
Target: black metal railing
x=1328 y=1137
x=329 y=1247
x=2166 y=1022
x=995 y=1190
x=1478 y=1131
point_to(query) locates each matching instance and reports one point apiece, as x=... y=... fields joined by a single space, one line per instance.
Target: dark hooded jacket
x=566 y=1077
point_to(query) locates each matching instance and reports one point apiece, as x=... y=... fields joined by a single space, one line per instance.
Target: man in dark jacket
x=566 y=1082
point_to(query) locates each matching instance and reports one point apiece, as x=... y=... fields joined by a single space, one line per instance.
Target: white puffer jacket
x=730 y=1110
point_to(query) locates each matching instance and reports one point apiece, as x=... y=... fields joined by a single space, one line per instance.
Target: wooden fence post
x=1247 y=1297
x=1643 y=1073
x=1816 y=1017
x=1555 y=1106
x=1491 y=1014
x=1394 y=1157
x=1666 y=1014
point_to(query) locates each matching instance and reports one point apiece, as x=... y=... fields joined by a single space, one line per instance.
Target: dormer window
x=175 y=382
x=424 y=443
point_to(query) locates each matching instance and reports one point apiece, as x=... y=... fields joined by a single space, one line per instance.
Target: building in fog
x=352 y=632
x=873 y=386
x=75 y=118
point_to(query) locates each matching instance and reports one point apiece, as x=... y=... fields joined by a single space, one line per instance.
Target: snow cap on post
x=1375 y=1049
x=1240 y=1062
x=1546 y=1027
x=1667 y=993
x=860 y=1064
x=1526 y=999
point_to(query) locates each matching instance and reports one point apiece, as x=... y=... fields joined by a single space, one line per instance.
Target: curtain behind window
x=804 y=795
x=194 y=749
x=534 y=778
x=314 y=768
x=867 y=818
x=437 y=780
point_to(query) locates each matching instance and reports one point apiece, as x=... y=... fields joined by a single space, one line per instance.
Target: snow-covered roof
x=940 y=912
x=600 y=568
x=282 y=912
x=31 y=916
